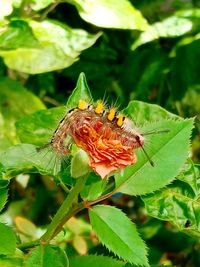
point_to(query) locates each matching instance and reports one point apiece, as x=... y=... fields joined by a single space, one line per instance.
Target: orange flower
x=108 y=146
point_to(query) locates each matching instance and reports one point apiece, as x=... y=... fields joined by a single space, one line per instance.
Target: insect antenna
x=156 y=132
x=147 y=156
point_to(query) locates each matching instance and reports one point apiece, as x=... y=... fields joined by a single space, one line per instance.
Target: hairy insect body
x=109 y=123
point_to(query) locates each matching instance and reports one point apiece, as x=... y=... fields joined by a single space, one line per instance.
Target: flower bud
x=80 y=164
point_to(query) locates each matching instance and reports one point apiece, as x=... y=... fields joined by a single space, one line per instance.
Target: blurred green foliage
x=129 y=50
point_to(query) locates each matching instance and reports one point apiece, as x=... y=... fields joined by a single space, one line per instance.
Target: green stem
x=66 y=210
x=28 y=245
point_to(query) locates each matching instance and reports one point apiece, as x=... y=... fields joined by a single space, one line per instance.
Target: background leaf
x=170 y=27
x=116 y=13
x=40 y=4
x=14 y=107
x=18 y=34
x=59 y=47
x=124 y=241
x=7 y=240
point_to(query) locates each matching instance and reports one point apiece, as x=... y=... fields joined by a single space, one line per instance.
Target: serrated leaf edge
x=120 y=257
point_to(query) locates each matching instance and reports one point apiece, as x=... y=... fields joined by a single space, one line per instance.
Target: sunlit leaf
x=59 y=47
x=7 y=240
x=5 y=8
x=111 y=14
x=124 y=241
x=18 y=34
x=40 y=4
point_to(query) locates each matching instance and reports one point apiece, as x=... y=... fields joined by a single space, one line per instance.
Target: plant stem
x=28 y=245
x=66 y=210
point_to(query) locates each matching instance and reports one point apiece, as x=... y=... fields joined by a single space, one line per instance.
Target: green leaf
x=178 y=205
x=13 y=107
x=3 y=197
x=7 y=240
x=170 y=27
x=59 y=47
x=118 y=234
x=38 y=127
x=10 y=261
x=191 y=175
x=142 y=113
x=46 y=256
x=93 y=188
x=82 y=91
x=141 y=178
x=166 y=149
x=18 y=34
x=118 y=14
x=25 y=158
x=95 y=261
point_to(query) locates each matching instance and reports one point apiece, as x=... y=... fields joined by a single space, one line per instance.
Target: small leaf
x=118 y=14
x=93 y=188
x=7 y=240
x=46 y=256
x=82 y=91
x=95 y=261
x=118 y=234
